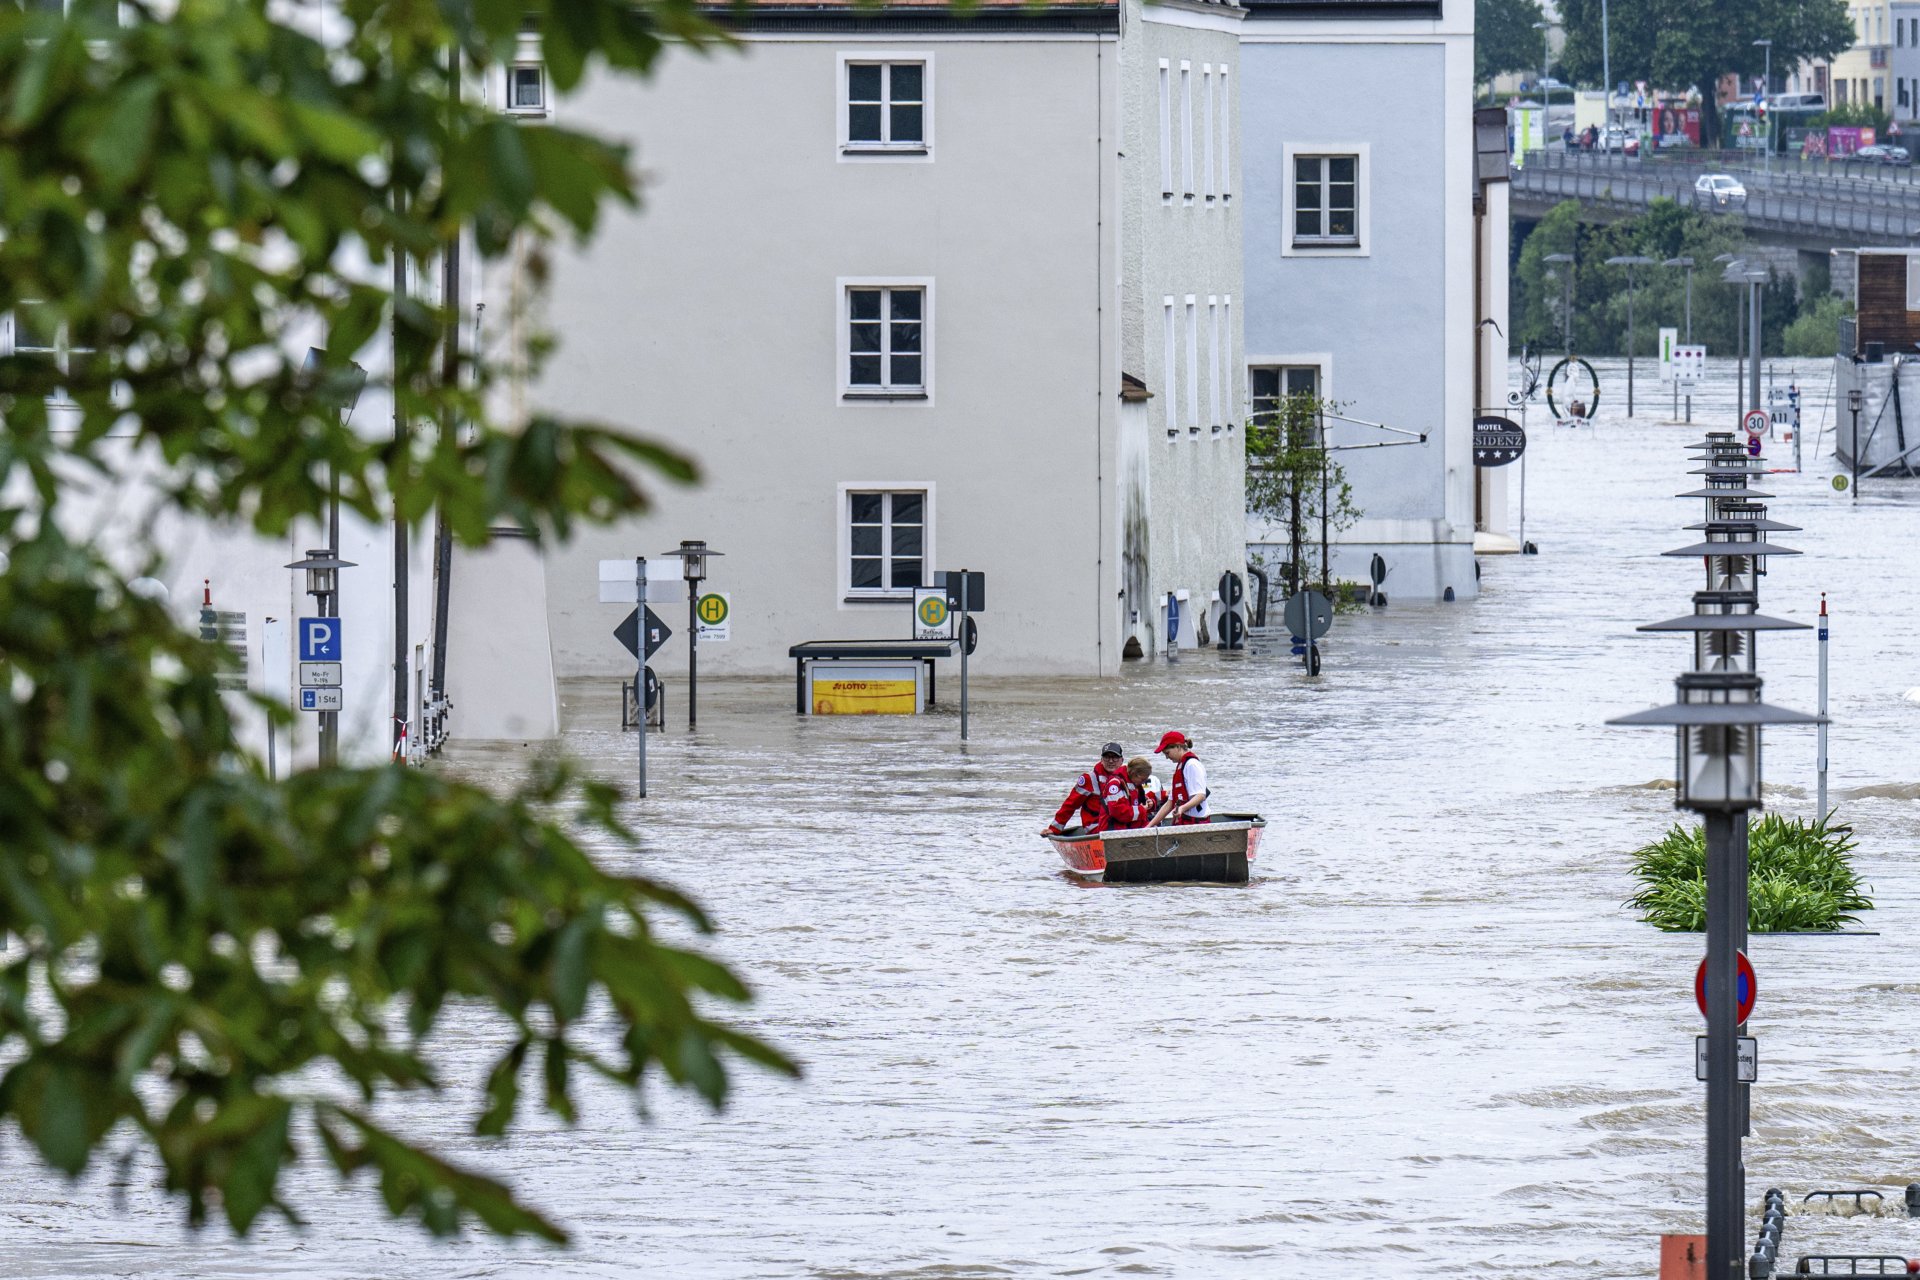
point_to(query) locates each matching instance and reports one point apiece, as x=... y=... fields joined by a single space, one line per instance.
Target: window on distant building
x=1206 y=130
x=1170 y=383
x=886 y=108
x=1166 y=131
x=1226 y=135
x=527 y=89
x=886 y=542
x=1271 y=385
x=1326 y=200
x=1214 y=379
x=1193 y=365
x=1186 y=130
x=885 y=352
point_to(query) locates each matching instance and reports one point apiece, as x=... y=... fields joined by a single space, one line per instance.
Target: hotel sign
x=1497 y=441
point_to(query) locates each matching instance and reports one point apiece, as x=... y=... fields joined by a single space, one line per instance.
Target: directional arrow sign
x=628 y=632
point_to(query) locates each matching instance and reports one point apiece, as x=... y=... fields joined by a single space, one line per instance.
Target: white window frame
x=1186 y=131
x=1226 y=358
x=846 y=392
x=539 y=68
x=851 y=599
x=1206 y=131
x=1169 y=389
x=1166 y=132
x=1363 y=201
x=1321 y=361
x=1193 y=365
x=1226 y=134
x=850 y=152
x=1214 y=372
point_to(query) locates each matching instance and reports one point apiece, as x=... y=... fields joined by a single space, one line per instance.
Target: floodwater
x=1427 y=1039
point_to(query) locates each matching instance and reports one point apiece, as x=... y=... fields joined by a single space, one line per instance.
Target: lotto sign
x=1689 y=364
x=712 y=613
x=932 y=618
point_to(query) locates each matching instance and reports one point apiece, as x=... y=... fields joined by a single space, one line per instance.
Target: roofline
x=1094 y=17
x=1342 y=8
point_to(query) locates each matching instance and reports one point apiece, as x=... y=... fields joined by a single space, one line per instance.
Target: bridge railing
x=1811 y=185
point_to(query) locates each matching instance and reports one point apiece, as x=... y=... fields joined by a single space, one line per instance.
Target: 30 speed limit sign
x=1755 y=422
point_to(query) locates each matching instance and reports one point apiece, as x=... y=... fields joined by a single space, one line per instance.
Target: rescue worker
x=1146 y=800
x=1103 y=785
x=1186 y=801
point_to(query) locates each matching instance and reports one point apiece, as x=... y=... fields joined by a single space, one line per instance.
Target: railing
x=1884 y=1264
x=1842 y=221
x=1843 y=187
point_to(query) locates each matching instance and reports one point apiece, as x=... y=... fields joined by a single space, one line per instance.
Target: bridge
x=1812 y=211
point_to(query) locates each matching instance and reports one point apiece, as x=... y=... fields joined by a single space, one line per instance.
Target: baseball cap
x=1171 y=738
x=1113 y=749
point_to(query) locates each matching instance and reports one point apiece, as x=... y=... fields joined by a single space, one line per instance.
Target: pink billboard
x=1844 y=140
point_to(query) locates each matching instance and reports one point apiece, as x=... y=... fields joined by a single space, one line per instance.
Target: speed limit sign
x=1755 y=422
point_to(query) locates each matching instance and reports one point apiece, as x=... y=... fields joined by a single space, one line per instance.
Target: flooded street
x=1426 y=1039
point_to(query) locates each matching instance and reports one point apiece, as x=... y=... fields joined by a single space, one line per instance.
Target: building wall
x=1182 y=242
x=1391 y=325
x=1862 y=74
x=710 y=320
x=1904 y=62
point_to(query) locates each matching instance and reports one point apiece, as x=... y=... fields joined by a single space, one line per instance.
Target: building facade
x=1861 y=74
x=1360 y=250
x=1903 y=61
x=901 y=288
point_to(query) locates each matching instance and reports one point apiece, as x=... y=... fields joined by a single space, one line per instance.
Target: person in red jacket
x=1087 y=805
x=1145 y=799
x=1186 y=801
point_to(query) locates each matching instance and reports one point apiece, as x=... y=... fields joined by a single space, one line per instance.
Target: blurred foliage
x=200 y=964
x=1817 y=331
x=1599 y=295
x=1800 y=877
x=1504 y=38
x=1855 y=115
x=1295 y=482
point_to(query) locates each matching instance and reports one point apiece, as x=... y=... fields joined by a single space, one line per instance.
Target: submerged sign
x=1497 y=441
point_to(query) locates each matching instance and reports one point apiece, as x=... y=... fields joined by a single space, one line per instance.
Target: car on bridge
x=1618 y=139
x=1883 y=153
x=1720 y=189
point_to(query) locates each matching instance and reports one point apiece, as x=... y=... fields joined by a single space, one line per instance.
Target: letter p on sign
x=320 y=640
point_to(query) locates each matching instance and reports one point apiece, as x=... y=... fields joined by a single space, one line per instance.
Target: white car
x=1720 y=189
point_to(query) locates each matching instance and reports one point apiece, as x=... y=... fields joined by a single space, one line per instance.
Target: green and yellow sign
x=711 y=611
x=931 y=618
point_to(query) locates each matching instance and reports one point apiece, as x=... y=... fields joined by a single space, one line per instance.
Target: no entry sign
x=1746 y=986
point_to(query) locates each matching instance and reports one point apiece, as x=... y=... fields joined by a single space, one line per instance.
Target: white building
x=1360 y=245
x=890 y=271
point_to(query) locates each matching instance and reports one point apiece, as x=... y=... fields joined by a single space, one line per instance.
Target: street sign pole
x=693 y=653
x=640 y=668
x=330 y=720
x=1725 y=1194
x=964 y=603
x=1821 y=811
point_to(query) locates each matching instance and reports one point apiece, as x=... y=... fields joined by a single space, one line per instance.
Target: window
x=1213 y=364
x=1326 y=202
x=1272 y=384
x=1193 y=365
x=886 y=542
x=885 y=353
x=1206 y=128
x=1226 y=133
x=1186 y=130
x=886 y=107
x=1171 y=381
x=1166 y=133
x=527 y=89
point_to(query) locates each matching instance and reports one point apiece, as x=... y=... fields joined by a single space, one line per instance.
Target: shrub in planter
x=1800 y=877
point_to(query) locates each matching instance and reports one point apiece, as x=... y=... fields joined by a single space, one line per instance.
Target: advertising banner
x=867 y=690
x=1676 y=126
x=1844 y=140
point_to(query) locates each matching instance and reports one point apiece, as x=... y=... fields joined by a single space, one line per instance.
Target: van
x=1798 y=102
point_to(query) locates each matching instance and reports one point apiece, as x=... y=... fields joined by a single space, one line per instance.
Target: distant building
x=920 y=291
x=1360 y=265
x=1860 y=74
x=1904 y=60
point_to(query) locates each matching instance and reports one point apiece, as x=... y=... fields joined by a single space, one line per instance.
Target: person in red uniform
x=1186 y=801
x=1146 y=801
x=1100 y=796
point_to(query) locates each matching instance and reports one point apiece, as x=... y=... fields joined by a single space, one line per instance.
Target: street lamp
x=1630 y=261
x=1853 y=406
x=693 y=567
x=1686 y=262
x=1546 y=56
x=1566 y=297
x=323 y=567
x=1766 y=91
x=1735 y=266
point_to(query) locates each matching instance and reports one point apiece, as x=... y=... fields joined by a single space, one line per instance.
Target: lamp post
x=1717 y=718
x=1565 y=261
x=1853 y=406
x=1630 y=261
x=1606 y=64
x=1688 y=264
x=323 y=568
x=1546 y=57
x=693 y=567
x=1766 y=91
x=1735 y=265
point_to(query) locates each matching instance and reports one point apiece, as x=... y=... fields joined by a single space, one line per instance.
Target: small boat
x=1218 y=851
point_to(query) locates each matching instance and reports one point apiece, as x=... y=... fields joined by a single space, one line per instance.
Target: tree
x=1293 y=480
x=1504 y=38
x=1679 y=46
x=194 y=957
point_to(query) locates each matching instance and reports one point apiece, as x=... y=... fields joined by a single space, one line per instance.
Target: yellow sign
x=711 y=609
x=933 y=611
x=864 y=697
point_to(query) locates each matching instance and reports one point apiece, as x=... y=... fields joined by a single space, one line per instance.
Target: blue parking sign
x=320 y=640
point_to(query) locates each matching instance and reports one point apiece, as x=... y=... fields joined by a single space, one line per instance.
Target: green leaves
x=1800 y=877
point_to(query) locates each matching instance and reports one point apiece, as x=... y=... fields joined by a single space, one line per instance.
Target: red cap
x=1171 y=738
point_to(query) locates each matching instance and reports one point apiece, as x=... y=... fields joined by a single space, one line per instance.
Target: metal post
x=693 y=651
x=1821 y=753
x=1855 y=486
x=330 y=720
x=1676 y=381
x=1566 y=312
x=963 y=654
x=1629 y=342
x=1725 y=1248
x=1793 y=394
x=640 y=666
x=1606 y=67
x=1754 y=344
x=398 y=730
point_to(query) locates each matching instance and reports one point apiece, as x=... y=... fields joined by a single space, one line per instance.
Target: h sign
x=319 y=639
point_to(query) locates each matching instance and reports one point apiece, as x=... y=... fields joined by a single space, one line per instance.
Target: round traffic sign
x=1308 y=614
x=711 y=608
x=1746 y=986
x=1839 y=484
x=1753 y=446
x=933 y=611
x=1755 y=422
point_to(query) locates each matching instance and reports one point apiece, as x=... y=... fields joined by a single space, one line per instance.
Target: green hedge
x=1800 y=877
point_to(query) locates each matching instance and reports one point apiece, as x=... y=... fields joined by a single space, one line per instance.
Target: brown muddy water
x=1427 y=1039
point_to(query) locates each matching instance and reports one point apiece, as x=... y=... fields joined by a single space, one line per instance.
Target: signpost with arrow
x=642 y=632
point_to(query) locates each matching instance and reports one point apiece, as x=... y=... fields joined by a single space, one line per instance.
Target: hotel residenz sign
x=1497 y=441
